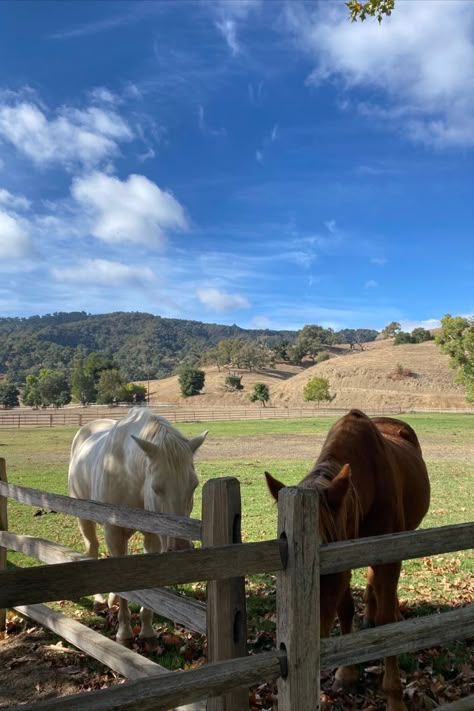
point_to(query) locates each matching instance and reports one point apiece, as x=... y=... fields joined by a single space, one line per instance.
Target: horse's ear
x=151 y=450
x=274 y=485
x=339 y=487
x=195 y=442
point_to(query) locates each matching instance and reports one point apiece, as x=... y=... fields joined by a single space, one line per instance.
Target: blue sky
x=254 y=162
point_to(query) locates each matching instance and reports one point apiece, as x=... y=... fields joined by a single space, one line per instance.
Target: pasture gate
x=295 y=554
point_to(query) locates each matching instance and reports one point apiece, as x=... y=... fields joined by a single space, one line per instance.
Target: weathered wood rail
x=297 y=557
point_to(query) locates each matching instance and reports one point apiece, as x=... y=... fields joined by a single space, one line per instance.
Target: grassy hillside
x=367 y=379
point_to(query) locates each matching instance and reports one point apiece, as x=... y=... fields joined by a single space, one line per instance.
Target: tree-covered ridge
x=142 y=345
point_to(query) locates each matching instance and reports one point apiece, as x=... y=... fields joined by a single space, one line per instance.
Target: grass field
x=38 y=458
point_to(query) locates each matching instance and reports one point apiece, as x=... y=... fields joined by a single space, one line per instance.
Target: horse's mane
x=340 y=524
x=156 y=429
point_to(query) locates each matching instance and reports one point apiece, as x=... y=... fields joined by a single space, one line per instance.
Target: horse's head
x=170 y=479
x=334 y=499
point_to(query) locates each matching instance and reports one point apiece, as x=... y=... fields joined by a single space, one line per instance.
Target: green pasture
x=38 y=457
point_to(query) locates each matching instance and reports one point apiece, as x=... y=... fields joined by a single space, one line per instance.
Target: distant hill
x=142 y=345
x=369 y=379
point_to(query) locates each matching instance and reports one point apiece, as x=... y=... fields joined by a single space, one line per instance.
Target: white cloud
x=14 y=239
x=420 y=58
x=259 y=156
x=17 y=202
x=220 y=301
x=87 y=136
x=428 y=323
x=261 y=322
x=103 y=272
x=371 y=284
x=231 y=14
x=102 y=95
x=379 y=261
x=134 y=210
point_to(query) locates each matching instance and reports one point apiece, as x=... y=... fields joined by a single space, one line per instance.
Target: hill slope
x=358 y=379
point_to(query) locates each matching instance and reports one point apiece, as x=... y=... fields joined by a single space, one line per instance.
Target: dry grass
x=358 y=379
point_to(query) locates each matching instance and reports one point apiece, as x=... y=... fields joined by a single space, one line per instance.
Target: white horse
x=140 y=461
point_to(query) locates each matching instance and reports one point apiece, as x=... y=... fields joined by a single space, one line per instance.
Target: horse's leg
x=117 y=544
x=385 y=581
x=151 y=544
x=370 y=600
x=348 y=675
x=91 y=542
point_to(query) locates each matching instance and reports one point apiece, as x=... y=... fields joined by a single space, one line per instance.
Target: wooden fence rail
x=299 y=560
x=137 y=519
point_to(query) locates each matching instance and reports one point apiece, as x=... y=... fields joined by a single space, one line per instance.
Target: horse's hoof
x=345 y=679
x=99 y=607
x=125 y=641
x=149 y=644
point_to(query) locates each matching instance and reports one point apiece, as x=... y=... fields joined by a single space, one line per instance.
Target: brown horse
x=372 y=480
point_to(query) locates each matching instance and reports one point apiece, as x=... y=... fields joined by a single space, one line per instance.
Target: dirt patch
x=36 y=667
x=304 y=446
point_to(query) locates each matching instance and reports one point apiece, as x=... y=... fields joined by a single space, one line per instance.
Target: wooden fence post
x=3 y=527
x=226 y=609
x=298 y=600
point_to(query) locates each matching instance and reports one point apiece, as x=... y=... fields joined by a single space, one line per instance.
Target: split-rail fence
x=297 y=557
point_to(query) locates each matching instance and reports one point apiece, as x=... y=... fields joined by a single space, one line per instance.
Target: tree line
x=94 y=379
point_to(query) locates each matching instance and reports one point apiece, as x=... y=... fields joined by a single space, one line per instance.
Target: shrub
x=191 y=381
x=400 y=372
x=317 y=390
x=234 y=382
x=321 y=357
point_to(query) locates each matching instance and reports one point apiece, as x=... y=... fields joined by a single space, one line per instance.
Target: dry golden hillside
x=357 y=379
x=369 y=378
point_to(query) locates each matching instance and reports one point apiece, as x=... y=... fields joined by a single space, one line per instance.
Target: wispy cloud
x=230 y=17
x=371 y=284
x=270 y=138
x=379 y=261
x=220 y=301
x=17 y=202
x=141 y=9
x=204 y=126
x=103 y=272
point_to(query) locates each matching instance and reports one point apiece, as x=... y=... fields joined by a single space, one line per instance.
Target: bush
x=261 y=393
x=401 y=372
x=317 y=390
x=403 y=337
x=321 y=357
x=191 y=381
x=234 y=382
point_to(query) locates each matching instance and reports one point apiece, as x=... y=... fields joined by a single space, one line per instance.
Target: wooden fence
x=295 y=554
x=76 y=418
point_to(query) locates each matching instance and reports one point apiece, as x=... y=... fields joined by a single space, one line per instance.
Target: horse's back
x=91 y=428
x=409 y=469
x=391 y=427
x=84 y=454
